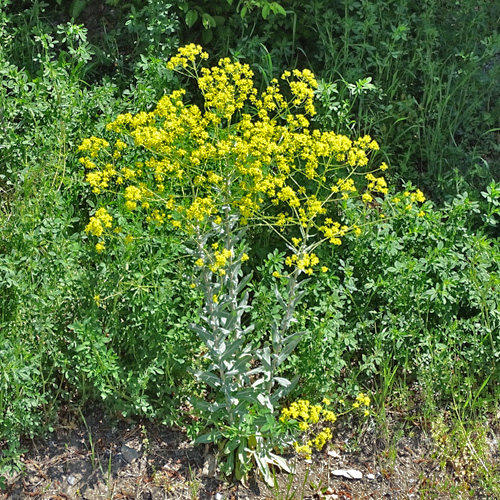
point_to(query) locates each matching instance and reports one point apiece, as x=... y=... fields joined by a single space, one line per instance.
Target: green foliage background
x=409 y=310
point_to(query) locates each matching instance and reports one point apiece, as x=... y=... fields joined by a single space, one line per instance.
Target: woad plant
x=210 y=175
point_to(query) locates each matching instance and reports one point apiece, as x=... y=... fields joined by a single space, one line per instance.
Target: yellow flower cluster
x=186 y=56
x=408 y=199
x=93 y=145
x=99 y=180
x=417 y=195
x=362 y=399
x=305 y=262
x=302 y=409
x=367 y=142
x=344 y=186
x=226 y=87
x=333 y=231
x=305 y=415
x=322 y=438
x=220 y=260
x=377 y=184
x=302 y=88
x=254 y=154
x=99 y=222
x=201 y=208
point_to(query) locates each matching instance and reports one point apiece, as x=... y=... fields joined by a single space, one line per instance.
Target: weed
x=288 y=491
x=194 y=484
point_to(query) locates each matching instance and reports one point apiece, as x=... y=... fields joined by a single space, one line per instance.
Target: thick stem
x=290 y=310
x=293 y=284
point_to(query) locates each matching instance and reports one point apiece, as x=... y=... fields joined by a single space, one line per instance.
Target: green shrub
x=416 y=297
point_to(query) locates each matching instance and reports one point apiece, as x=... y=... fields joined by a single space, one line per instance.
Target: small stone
x=348 y=473
x=333 y=454
x=370 y=476
x=129 y=454
x=71 y=480
x=329 y=494
x=218 y=496
x=210 y=466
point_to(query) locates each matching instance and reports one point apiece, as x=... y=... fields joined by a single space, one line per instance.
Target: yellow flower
x=329 y=416
x=304 y=450
x=100 y=247
x=419 y=196
x=120 y=145
x=363 y=399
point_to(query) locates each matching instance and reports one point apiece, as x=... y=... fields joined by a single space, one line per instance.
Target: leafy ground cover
x=406 y=311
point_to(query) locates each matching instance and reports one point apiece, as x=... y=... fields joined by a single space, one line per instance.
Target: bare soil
x=101 y=459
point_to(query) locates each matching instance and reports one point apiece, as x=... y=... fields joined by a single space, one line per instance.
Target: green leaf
x=232 y=444
x=282 y=381
x=242 y=460
x=265 y=359
x=77 y=7
x=289 y=345
x=263 y=467
x=212 y=437
x=209 y=378
x=208 y=21
x=278 y=9
x=280 y=462
x=191 y=17
x=207 y=36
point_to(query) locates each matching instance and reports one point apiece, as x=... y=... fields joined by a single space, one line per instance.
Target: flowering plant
x=315 y=421
x=211 y=173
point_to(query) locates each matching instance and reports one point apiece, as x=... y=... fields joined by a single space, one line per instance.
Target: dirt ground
x=98 y=459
